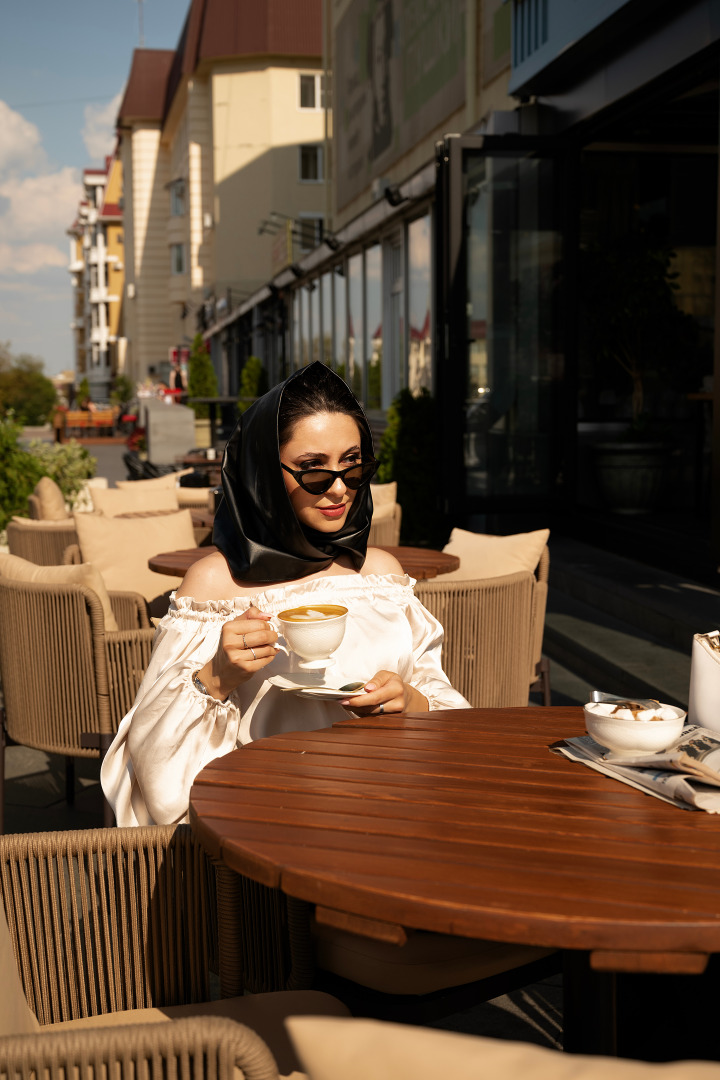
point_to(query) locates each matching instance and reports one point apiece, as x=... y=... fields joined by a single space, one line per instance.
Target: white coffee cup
x=313 y=632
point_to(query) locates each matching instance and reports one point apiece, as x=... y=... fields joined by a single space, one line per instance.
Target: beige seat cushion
x=169 y=480
x=120 y=549
x=354 y=1049
x=17 y=569
x=84 y=500
x=426 y=963
x=484 y=556
x=16 y=1017
x=383 y=511
x=51 y=526
x=264 y=1013
x=384 y=494
x=112 y=502
x=192 y=496
x=51 y=499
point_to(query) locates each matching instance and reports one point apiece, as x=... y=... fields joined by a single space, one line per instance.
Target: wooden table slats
x=464 y=822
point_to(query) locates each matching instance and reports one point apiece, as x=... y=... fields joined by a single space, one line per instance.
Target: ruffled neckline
x=277 y=597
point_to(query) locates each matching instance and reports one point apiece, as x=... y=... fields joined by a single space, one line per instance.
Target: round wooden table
x=417 y=562
x=465 y=823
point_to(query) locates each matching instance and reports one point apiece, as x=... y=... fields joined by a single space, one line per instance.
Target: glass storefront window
x=355 y=324
x=315 y=327
x=419 y=312
x=341 y=330
x=305 y=325
x=513 y=252
x=374 y=349
x=296 y=333
x=327 y=319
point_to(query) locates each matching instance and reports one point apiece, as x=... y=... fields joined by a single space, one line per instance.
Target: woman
x=291 y=529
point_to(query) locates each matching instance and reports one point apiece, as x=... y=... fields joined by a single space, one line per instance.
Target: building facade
x=97 y=274
x=222 y=143
x=522 y=216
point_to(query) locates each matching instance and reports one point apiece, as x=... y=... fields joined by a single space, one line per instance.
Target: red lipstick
x=332 y=512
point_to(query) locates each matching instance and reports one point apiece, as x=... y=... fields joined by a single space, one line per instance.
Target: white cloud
x=30 y=258
x=99 y=131
x=20 y=147
x=40 y=206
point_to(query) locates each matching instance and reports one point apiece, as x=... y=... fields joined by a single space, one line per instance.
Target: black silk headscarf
x=255 y=525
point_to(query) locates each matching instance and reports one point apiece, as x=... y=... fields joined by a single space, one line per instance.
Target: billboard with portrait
x=399 y=72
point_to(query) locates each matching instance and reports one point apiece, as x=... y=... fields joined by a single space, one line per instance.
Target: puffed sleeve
x=428 y=676
x=173 y=730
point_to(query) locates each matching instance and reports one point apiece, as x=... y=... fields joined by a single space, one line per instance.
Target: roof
x=111 y=210
x=146 y=89
x=215 y=30
x=220 y=29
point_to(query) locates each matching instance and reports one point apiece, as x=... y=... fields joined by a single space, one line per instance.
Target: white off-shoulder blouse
x=173 y=730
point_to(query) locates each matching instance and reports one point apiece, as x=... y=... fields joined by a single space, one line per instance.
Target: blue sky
x=63 y=65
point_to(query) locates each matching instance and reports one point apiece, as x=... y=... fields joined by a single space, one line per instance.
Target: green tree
x=123 y=391
x=202 y=380
x=19 y=472
x=83 y=390
x=253 y=381
x=25 y=393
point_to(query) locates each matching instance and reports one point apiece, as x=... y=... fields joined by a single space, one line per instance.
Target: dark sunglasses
x=318 y=481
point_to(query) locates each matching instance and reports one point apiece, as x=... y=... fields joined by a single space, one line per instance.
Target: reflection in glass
x=374 y=350
x=296 y=338
x=355 y=324
x=512 y=251
x=327 y=319
x=305 y=326
x=316 y=329
x=341 y=331
x=419 y=293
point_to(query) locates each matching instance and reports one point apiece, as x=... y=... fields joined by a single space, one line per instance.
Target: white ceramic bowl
x=316 y=640
x=626 y=735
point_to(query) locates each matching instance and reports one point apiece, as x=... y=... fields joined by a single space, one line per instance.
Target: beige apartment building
x=97 y=273
x=222 y=145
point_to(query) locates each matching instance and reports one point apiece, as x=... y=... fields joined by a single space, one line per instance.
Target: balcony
x=98 y=294
x=76 y=266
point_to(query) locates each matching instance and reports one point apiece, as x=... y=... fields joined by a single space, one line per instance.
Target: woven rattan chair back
x=66 y=682
x=211 y=1047
x=104 y=920
x=490 y=635
x=43 y=544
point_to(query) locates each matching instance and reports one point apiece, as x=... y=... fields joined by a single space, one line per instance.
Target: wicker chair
x=43 y=542
x=493 y=634
x=67 y=682
x=106 y=935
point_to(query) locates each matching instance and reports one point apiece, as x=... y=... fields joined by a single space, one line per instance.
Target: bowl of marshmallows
x=626 y=726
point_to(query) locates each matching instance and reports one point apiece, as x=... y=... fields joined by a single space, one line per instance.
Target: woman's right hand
x=247 y=645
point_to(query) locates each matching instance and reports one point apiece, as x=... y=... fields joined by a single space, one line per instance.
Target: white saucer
x=296 y=683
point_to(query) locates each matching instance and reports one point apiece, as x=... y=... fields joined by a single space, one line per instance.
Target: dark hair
x=317 y=389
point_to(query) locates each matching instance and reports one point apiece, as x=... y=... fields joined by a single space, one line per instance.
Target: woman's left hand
x=386 y=693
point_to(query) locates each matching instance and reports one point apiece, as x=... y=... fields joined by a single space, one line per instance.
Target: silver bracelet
x=199 y=685
x=203 y=689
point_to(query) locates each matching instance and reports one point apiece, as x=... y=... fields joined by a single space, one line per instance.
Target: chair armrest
x=71 y=555
x=128 y=655
x=130 y=610
x=194 y=1046
x=104 y=920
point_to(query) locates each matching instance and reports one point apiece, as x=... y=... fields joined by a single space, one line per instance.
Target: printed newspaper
x=686 y=775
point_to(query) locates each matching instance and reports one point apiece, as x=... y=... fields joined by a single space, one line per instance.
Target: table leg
x=646 y=1017
x=589 y=1007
